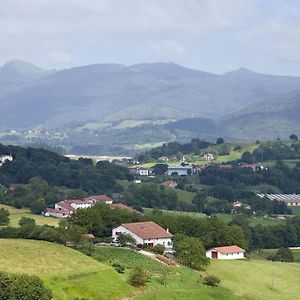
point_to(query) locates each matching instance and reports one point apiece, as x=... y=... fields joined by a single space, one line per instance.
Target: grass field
x=253 y=220
x=296 y=252
x=17 y=213
x=127 y=258
x=252 y=279
x=70 y=274
x=178 y=213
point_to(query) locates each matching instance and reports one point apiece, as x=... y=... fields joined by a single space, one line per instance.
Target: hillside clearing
x=67 y=272
x=17 y=213
x=253 y=279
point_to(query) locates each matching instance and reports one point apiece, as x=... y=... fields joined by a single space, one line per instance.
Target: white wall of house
x=55 y=214
x=142 y=172
x=83 y=205
x=167 y=242
x=237 y=255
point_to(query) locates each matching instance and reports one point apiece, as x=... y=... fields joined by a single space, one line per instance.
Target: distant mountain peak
x=17 y=69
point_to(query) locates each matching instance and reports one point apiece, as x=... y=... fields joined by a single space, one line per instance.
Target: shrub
x=211 y=280
x=4 y=216
x=138 y=277
x=119 y=268
x=159 y=249
x=23 y=287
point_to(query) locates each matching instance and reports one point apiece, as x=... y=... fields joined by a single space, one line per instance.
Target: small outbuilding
x=226 y=252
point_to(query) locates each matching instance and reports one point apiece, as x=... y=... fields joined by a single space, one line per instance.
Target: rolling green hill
x=67 y=272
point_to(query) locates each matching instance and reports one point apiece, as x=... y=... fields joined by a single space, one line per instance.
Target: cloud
x=198 y=33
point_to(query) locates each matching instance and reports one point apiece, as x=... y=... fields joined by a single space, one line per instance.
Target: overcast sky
x=211 y=35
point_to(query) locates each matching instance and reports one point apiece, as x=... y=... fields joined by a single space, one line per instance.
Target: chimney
x=167 y=229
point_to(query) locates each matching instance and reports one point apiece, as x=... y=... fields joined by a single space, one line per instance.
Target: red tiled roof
x=168 y=183
x=58 y=211
x=123 y=206
x=102 y=198
x=147 y=230
x=229 y=249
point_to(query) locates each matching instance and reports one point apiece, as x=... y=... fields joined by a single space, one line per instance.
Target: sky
x=211 y=35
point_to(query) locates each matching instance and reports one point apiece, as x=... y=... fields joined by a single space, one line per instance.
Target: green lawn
x=185 y=284
x=70 y=274
x=177 y=212
x=17 y=213
x=253 y=220
x=127 y=258
x=252 y=279
x=267 y=252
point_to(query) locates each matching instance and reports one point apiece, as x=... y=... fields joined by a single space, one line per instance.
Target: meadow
x=17 y=213
x=296 y=252
x=258 y=279
x=69 y=273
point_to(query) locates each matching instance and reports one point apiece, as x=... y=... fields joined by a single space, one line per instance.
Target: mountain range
x=238 y=104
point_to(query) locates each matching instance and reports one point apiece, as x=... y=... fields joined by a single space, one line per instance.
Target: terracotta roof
x=168 y=183
x=147 y=230
x=58 y=211
x=123 y=206
x=229 y=249
x=102 y=198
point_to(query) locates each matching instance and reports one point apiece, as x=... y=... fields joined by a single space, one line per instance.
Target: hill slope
x=67 y=272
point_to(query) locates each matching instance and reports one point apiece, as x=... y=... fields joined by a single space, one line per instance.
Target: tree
x=248 y=157
x=294 y=137
x=4 y=216
x=160 y=169
x=125 y=238
x=138 y=277
x=25 y=220
x=199 y=200
x=190 y=252
x=159 y=249
x=220 y=141
x=284 y=255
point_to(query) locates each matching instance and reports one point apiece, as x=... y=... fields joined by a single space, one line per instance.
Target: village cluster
x=144 y=233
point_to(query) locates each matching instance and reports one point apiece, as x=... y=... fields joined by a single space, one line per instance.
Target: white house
x=99 y=199
x=208 y=156
x=180 y=170
x=4 y=158
x=148 y=233
x=288 y=199
x=143 y=171
x=227 y=252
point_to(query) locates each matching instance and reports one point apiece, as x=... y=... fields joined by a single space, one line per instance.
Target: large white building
x=288 y=199
x=226 y=252
x=148 y=233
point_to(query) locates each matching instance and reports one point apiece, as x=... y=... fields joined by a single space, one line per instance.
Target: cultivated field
x=70 y=274
x=17 y=213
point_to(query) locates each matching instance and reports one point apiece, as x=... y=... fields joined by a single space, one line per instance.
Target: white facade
x=208 y=156
x=81 y=205
x=233 y=255
x=142 y=172
x=4 y=158
x=167 y=242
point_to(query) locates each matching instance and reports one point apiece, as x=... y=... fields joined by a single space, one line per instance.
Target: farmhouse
x=227 y=252
x=66 y=208
x=208 y=156
x=4 y=158
x=148 y=233
x=180 y=170
x=143 y=172
x=288 y=199
x=99 y=199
